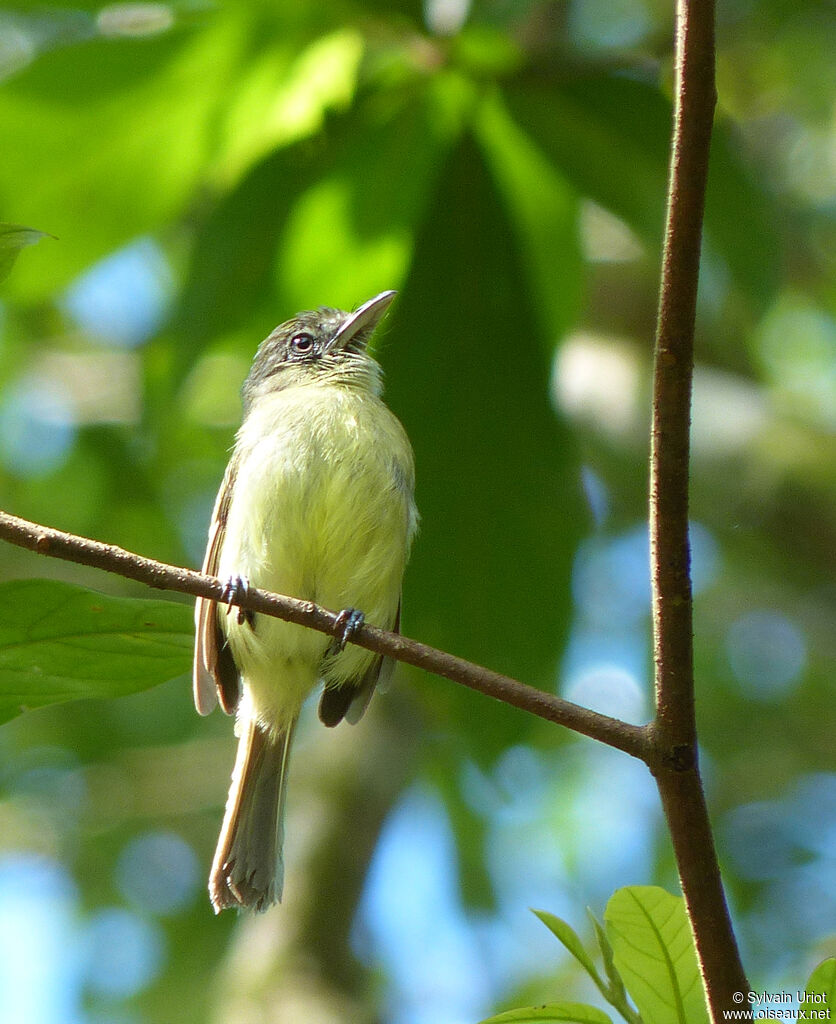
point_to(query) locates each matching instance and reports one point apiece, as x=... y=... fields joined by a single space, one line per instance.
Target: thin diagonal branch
x=632 y=739
x=674 y=729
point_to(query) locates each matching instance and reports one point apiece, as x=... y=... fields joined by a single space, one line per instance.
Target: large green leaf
x=654 y=952
x=551 y=1013
x=324 y=221
x=59 y=642
x=496 y=468
x=351 y=234
x=110 y=137
x=229 y=277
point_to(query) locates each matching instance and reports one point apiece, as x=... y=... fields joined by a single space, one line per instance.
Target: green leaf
x=606 y=950
x=613 y=991
x=229 y=275
x=352 y=233
x=60 y=642
x=13 y=238
x=822 y=983
x=110 y=138
x=486 y=51
x=566 y=934
x=286 y=91
x=556 y=1013
x=497 y=474
x=318 y=222
x=654 y=953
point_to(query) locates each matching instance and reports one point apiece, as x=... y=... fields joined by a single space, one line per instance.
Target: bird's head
x=324 y=345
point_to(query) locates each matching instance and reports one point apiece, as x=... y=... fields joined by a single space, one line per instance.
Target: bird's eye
x=302 y=343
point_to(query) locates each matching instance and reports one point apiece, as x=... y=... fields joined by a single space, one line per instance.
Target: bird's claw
x=349 y=621
x=237 y=587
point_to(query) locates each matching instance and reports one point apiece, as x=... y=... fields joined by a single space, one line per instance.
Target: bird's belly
x=307 y=523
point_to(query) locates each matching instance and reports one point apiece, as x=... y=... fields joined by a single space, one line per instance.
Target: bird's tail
x=248 y=870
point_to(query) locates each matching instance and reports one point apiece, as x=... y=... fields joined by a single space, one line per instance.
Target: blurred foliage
x=13 y=238
x=208 y=170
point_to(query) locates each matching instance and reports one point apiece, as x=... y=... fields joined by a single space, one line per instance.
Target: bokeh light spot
x=604 y=24
x=796 y=343
x=757 y=840
x=610 y=689
x=158 y=872
x=767 y=653
x=124 y=953
x=38 y=966
x=122 y=299
x=134 y=19
x=611 y=578
x=37 y=427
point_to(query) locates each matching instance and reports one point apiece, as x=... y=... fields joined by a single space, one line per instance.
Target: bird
x=317 y=503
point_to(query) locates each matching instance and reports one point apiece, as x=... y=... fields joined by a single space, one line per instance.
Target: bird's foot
x=237 y=587
x=348 y=623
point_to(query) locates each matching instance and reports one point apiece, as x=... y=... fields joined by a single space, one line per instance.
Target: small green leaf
x=822 y=983
x=566 y=934
x=605 y=947
x=13 y=238
x=556 y=1013
x=613 y=990
x=60 y=642
x=653 y=951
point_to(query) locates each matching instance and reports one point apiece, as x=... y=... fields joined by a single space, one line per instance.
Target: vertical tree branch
x=675 y=765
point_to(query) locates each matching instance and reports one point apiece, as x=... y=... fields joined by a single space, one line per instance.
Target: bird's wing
x=215 y=674
x=350 y=700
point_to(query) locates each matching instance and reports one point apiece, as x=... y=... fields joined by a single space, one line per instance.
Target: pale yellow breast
x=323 y=511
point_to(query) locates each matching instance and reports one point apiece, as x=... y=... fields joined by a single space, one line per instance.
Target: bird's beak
x=363 y=321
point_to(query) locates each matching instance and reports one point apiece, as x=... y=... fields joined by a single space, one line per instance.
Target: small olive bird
x=317 y=503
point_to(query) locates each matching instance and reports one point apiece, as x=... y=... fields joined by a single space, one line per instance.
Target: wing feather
x=215 y=676
x=350 y=700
